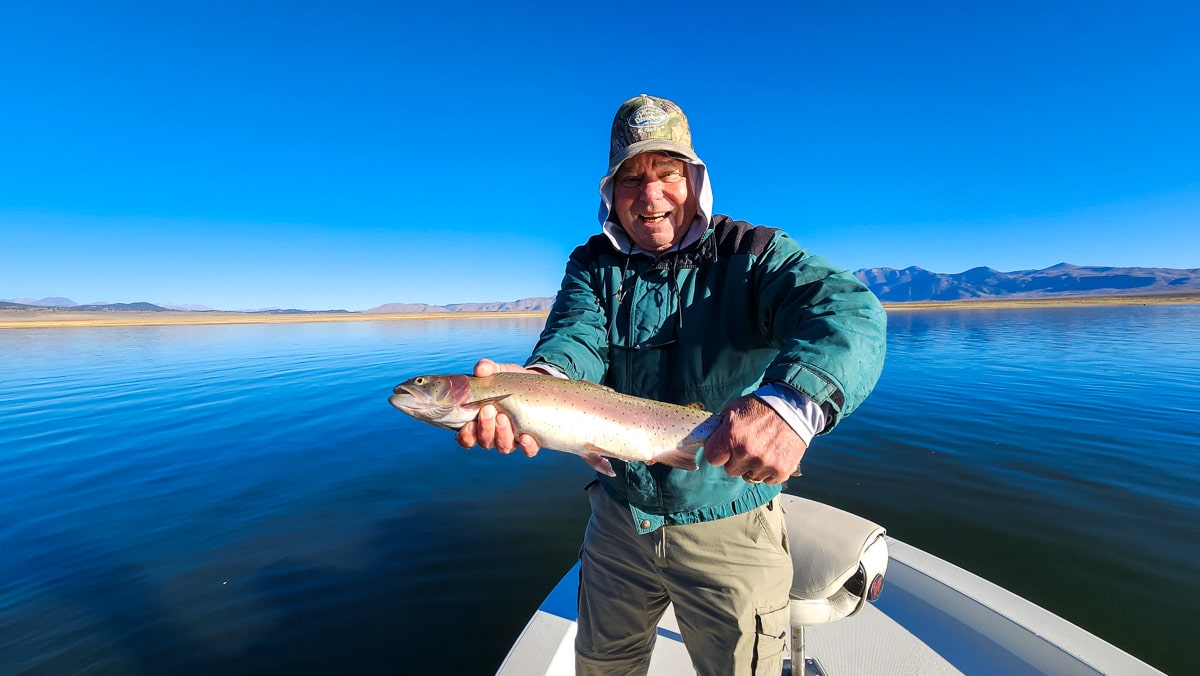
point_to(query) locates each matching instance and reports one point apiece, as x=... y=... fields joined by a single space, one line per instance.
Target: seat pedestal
x=839 y=560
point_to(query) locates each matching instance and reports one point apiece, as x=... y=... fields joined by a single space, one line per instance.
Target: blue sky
x=345 y=155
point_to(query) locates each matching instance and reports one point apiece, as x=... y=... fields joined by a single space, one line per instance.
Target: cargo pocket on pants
x=770 y=640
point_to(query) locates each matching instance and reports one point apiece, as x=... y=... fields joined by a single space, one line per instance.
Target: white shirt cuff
x=549 y=370
x=797 y=410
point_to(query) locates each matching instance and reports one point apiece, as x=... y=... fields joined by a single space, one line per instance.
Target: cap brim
x=659 y=145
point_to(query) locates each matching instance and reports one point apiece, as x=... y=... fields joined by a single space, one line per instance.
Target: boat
x=930 y=617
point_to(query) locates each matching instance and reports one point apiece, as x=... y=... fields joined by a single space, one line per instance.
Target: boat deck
x=933 y=618
x=868 y=643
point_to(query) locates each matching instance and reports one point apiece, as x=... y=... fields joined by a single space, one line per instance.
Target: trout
x=575 y=416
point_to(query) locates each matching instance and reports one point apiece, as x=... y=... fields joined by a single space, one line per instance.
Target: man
x=673 y=303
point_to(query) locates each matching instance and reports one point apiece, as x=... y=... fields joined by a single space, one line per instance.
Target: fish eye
x=419 y=380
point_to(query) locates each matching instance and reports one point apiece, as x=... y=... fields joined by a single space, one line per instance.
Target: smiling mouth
x=654 y=218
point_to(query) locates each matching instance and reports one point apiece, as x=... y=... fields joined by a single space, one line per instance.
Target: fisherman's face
x=652 y=200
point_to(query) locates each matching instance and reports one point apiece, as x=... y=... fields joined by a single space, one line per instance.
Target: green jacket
x=742 y=306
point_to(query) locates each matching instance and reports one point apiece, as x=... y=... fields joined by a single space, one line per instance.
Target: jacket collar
x=699 y=246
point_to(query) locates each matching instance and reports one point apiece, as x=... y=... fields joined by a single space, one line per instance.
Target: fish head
x=439 y=400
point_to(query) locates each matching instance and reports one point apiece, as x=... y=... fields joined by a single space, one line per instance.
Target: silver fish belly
x=578 y=417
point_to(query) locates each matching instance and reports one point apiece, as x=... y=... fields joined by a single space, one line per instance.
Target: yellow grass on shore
x=55 y=319
x=1188 y=298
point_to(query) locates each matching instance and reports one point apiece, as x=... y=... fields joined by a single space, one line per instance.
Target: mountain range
x=889 y=284
x=1064 y=279
x=66 y=304
x=535 y=304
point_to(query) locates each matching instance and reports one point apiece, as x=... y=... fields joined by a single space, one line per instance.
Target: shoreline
x=43 y=319
x=1181 y=298
x=65 y=318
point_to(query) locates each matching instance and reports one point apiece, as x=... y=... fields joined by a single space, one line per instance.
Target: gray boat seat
x=839 y=560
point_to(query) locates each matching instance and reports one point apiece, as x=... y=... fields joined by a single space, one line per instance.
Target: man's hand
x=753 y=442
x=492 y=429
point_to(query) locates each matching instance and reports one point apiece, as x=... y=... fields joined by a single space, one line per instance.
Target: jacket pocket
x=770 y=640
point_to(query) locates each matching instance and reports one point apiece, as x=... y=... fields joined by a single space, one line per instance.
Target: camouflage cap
x=647 y=123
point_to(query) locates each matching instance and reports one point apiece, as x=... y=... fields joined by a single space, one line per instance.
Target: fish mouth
x=407 y=399
x=418 y=405
x=414 y=401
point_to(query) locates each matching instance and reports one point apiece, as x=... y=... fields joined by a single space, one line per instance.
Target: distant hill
x=53 y=301
x=120 y=307
x=1064 y=279
x=282 y=311
x=72 y=306
x=918 y=284
x=405 y=308
x=889 y=284
x=535 y=304
x=186 y=307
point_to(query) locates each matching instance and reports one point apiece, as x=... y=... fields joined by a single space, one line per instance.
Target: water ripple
x=242 y=498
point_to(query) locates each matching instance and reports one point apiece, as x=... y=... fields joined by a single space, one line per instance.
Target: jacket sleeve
x=575 y=339
x=831 y=331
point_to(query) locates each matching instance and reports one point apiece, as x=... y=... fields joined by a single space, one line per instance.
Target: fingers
x=752 y=468
x=505 y=436
x=529 y=445
x=754 y=443
x=485 y=426
x=756 y=471
x=486 y=367
x=719 y=452
x=492 y=429
x=466 y=435
x=716 y=449
x=481 y=431
x=768 y=476
x=761 y=477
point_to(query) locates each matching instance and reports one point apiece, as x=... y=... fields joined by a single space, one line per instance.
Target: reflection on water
x=207 y=499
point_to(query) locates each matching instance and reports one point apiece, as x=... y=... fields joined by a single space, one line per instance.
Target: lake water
x=242 y=499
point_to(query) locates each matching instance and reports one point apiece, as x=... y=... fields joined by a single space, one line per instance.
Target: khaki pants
x=729 y=581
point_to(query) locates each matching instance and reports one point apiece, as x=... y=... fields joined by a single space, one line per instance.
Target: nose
x=652 y=190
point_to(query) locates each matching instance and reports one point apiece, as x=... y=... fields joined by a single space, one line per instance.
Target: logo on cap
x=648 y=118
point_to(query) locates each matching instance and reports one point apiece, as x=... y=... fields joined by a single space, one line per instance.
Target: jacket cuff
x=813 y=383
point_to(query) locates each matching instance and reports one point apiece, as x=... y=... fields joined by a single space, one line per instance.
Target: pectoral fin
x=679 y=458
x=599 y=463
x=490 y=400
